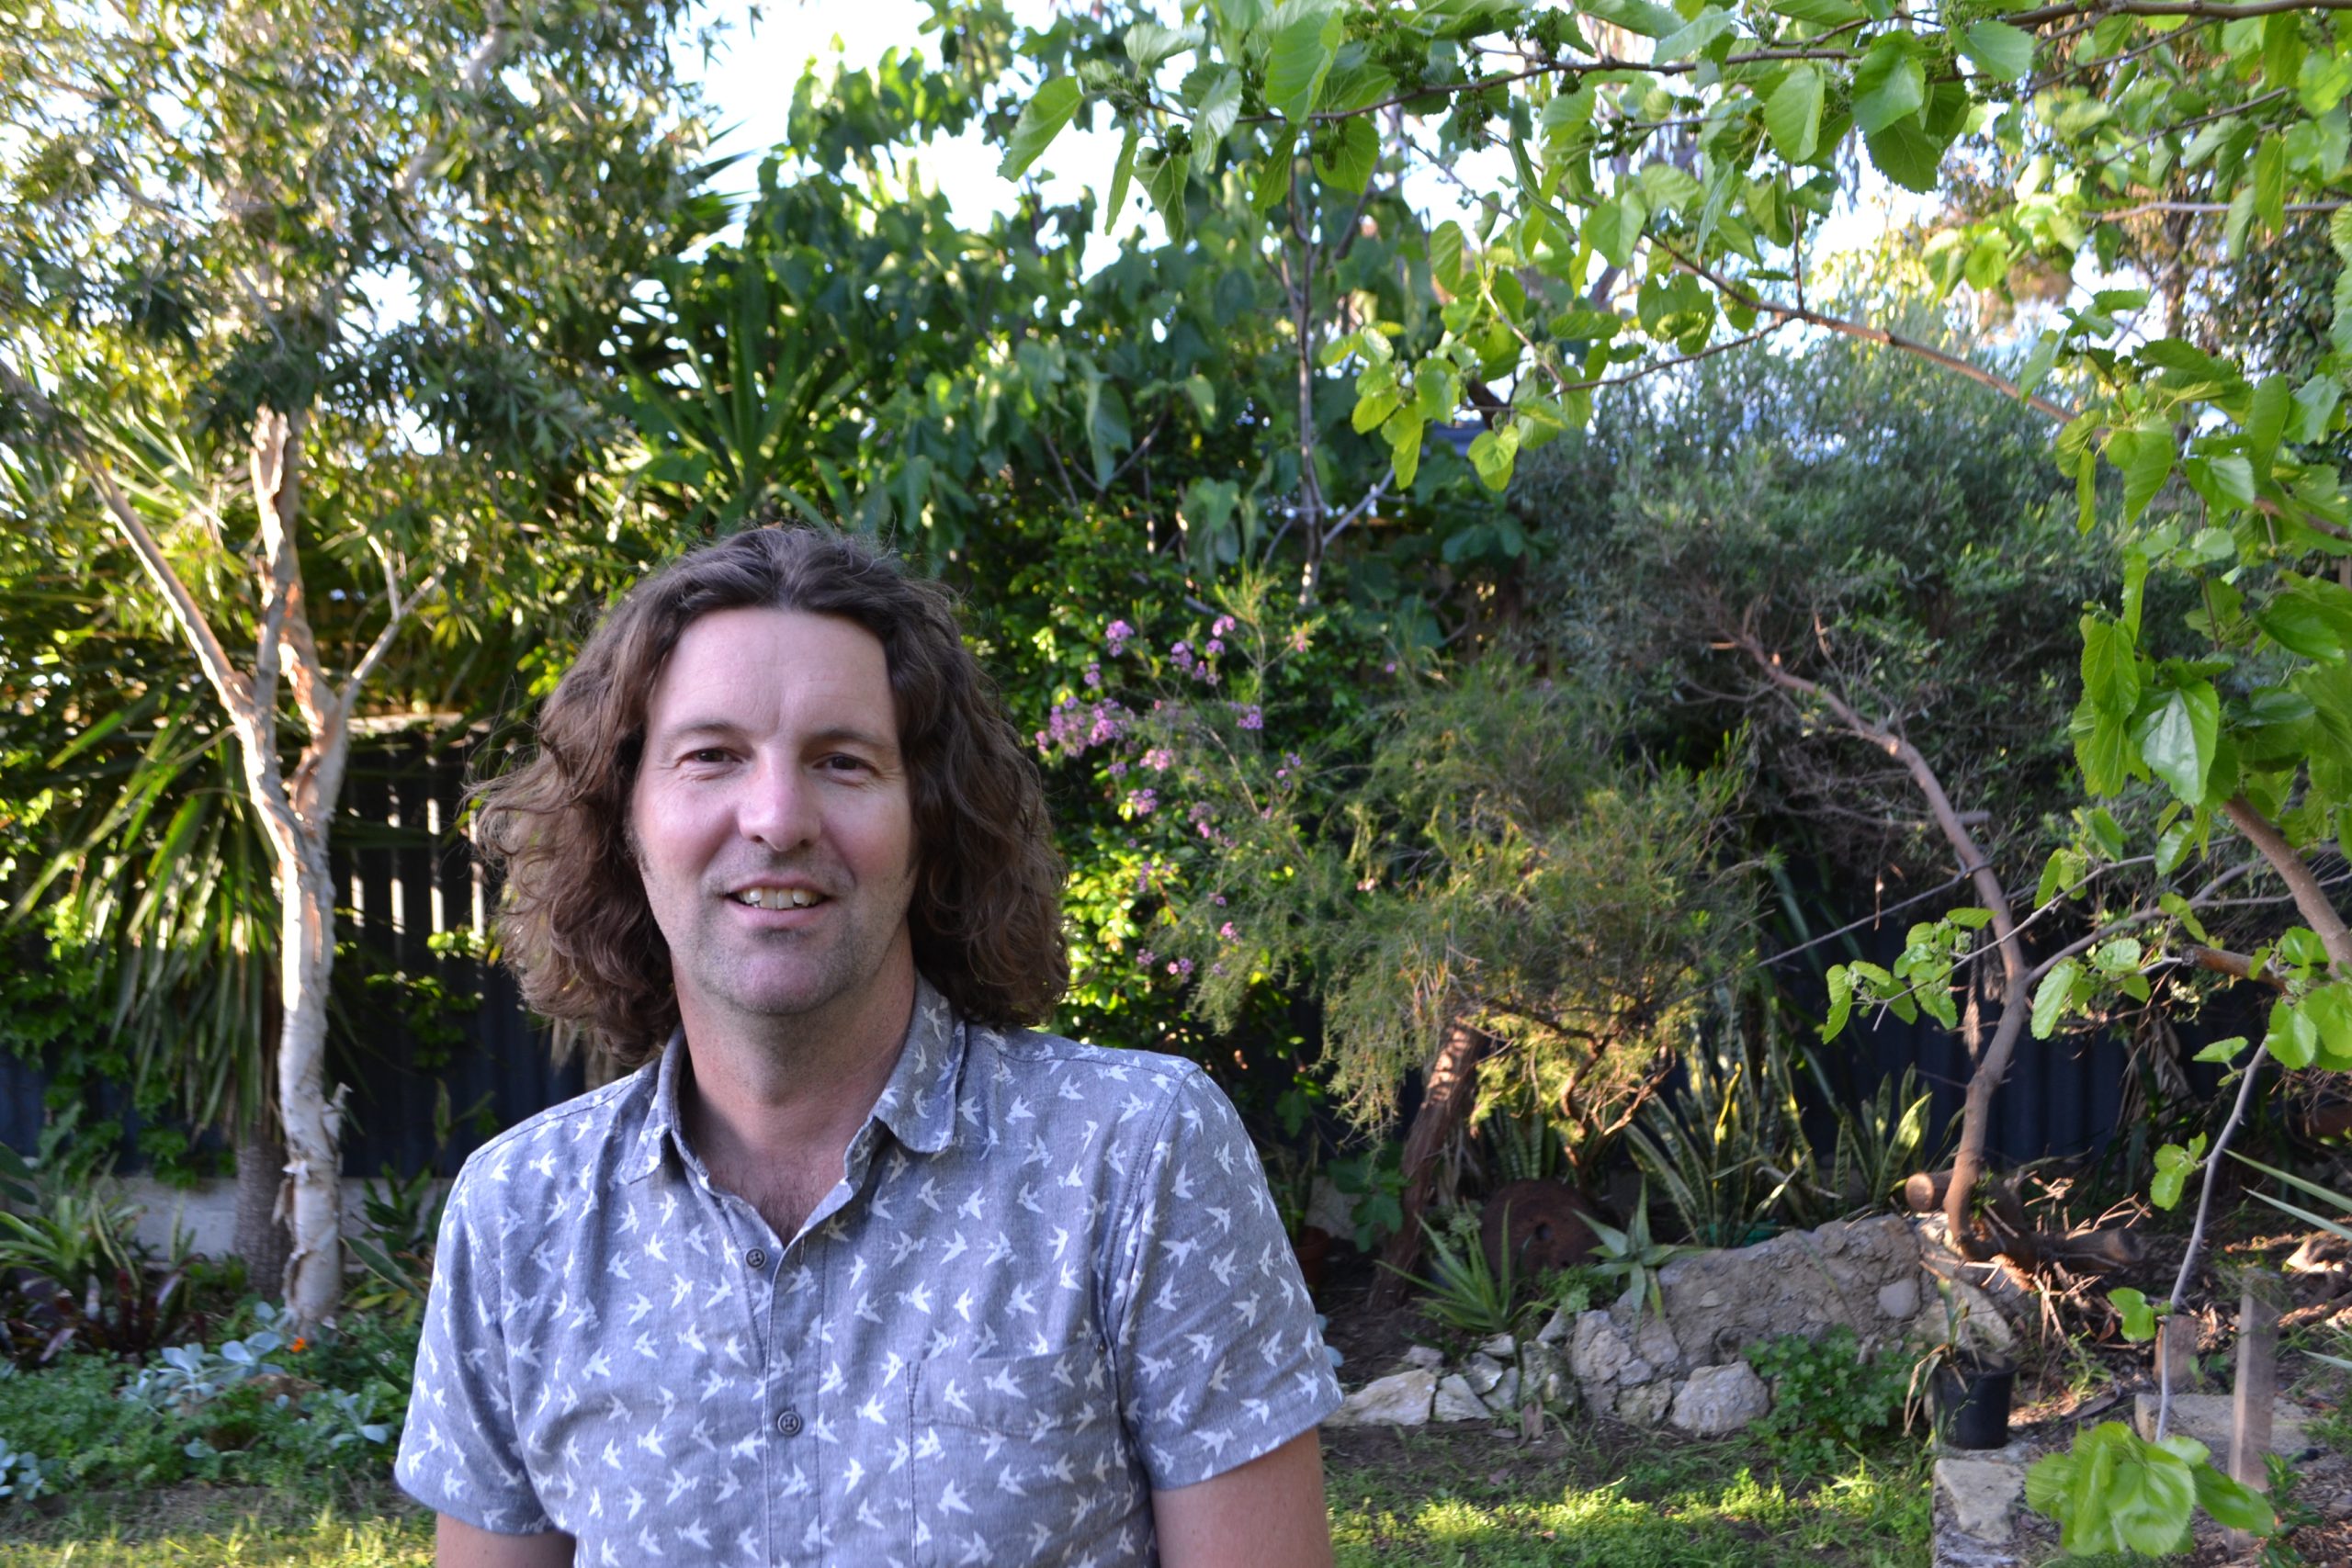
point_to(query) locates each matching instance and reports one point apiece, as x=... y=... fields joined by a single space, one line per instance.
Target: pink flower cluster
x=1074 y=725
x=1199 y=669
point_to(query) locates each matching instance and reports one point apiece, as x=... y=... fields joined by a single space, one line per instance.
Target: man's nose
x=778 y=808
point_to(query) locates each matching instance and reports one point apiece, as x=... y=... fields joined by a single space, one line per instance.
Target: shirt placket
x=754 y=1260
x=784 y=1297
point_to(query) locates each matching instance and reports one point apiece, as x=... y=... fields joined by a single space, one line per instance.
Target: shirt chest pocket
x=1023 y=1454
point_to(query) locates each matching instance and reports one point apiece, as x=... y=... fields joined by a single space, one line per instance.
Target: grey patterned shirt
x=1049 y=1280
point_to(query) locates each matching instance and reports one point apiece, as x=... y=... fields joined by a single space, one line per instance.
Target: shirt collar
x=918 y=1103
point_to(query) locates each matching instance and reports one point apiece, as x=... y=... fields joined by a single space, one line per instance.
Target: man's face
x=774 y=827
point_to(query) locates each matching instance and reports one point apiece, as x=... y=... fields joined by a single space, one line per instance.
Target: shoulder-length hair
x=574 y=923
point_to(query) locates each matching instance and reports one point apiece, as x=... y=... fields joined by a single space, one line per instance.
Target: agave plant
x=1631 y=1257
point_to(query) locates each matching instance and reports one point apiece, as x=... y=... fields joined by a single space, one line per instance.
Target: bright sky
x=750 y=87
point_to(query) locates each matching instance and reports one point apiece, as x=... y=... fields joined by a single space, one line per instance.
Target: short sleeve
x=1219 y=1358
x=459 y=1452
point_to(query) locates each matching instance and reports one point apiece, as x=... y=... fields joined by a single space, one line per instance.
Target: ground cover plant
x=257 y=1406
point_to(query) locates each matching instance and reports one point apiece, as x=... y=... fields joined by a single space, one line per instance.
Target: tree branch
x=1951 y=362
x=2197 y=1231
x=277 y=501
x=2311 y=899
x=2207 y=207
x=1968 y=1160
x=2169 y=9
x=228 y=681
x=383 y=643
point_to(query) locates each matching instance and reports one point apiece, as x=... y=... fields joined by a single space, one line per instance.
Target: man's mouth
x=777 y=898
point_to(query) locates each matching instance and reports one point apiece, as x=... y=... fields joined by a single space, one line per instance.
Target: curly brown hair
x=574 y=923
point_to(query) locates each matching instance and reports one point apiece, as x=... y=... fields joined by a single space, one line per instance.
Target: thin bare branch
x=2213 y=8
x=1951 y=362
x=2143 y=209
x=228 y=681
x=2196 y=1231
x=400 y=608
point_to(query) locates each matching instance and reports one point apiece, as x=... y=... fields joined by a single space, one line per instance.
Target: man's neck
x=770 y=1104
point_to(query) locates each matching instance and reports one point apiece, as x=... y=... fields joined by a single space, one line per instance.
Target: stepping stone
x=2208 y=1418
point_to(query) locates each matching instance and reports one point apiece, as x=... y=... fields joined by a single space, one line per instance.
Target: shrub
x=260 y=1410
x=1826 y=1395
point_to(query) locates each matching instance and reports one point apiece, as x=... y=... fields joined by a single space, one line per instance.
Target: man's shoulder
x=1052 y=1074
x=540 y=1142
x=1033 y=1055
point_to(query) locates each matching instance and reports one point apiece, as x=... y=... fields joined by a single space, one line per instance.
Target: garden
x=1699 y=649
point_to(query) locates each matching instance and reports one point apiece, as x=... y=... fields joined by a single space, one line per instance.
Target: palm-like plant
x=1728 y=1151
x=136 y=889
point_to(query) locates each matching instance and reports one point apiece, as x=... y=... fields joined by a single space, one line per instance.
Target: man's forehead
x=728 y=665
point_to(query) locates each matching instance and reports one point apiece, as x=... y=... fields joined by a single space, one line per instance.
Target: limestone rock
x=1482 y=1372
x=1654 y=1342
x=1636 y=1372
x=2209 y=1419
x=1455 y=1402
x=1645 y=1406
x=1501 y=1347
x=1598 y=1353
x=1981 y=1495
x=2009 y=1297
x=1424 y=1356
x=1502 y=1397
x=1558 y=1329
x=1899 y=1300
x=1401 y=1399
x=1985 y=1329
x=1797 y=1282
x=1717 y=1400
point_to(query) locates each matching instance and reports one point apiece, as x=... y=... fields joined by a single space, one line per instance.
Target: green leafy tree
x=312 y=302
x=1667 y=166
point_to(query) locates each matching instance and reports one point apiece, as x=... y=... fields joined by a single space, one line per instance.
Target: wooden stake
x=2258 y=1387
x=2177 y=1343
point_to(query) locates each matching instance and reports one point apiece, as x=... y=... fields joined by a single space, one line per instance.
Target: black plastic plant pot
x=1973 y=1403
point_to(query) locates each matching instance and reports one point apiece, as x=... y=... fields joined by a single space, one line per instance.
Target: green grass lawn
x=1591 y=1496
x=207 y=1527
x=1604 y=1495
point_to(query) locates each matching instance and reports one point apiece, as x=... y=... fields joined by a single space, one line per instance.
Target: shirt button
x=788 y=1423
x=756 y=1260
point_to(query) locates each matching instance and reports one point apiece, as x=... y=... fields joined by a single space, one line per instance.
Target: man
x=855 y=1268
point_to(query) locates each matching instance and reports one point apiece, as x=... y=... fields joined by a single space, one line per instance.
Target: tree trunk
x=312 y=1121
x=261 y=1239
x=1452 y=1092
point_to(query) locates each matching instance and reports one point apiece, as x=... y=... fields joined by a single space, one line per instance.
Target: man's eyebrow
x=848 y=734
x=724 y=729
x=717 y=727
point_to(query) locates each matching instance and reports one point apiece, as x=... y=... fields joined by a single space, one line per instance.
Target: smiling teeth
x=777 y=897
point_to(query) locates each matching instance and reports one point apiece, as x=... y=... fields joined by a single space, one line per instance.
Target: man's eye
x=707 y=754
